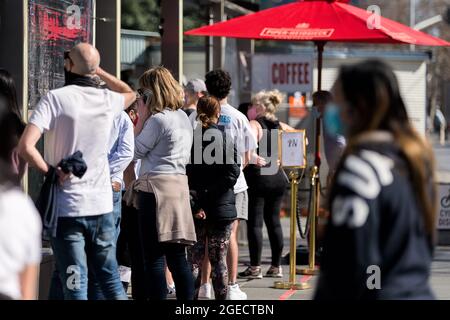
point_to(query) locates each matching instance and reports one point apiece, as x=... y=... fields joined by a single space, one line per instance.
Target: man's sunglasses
x=67 y=55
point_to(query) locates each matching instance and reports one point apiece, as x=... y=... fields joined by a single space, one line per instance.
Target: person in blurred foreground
x=8 y=103
x=379 y=240
x=20 y=224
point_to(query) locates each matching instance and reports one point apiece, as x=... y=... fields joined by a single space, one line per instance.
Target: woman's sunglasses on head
x=144 y=94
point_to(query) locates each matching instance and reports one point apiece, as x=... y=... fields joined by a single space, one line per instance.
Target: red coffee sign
x=288 y=73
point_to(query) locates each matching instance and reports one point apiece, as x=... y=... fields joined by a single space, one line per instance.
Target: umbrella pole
x=315 y=179
x=320 y=45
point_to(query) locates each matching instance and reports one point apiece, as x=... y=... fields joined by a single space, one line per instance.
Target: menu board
x=54 y=26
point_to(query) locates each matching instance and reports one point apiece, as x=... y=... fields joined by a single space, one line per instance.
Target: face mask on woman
x=333 y=123
x=252 y=114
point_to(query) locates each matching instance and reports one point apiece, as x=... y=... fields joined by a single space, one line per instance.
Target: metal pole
x=293 y=251
x=172 y=39
x=412 y=18
x=218 y=42
x=320 y=46
x=209 y=41
x=312 y=232
x=291 y=284
x=315 y=177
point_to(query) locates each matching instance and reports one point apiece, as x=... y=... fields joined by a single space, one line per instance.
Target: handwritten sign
x=443 y=220
x=293 y=146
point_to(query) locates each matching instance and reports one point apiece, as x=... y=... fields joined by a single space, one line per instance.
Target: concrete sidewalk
x=263 y=289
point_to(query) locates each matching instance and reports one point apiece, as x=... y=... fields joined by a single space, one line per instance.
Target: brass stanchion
x=315 y=181
x=291 y=284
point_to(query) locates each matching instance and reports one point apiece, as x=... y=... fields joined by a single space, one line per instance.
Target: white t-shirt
x=236 y=126
x=76 y=118
x=20 y=239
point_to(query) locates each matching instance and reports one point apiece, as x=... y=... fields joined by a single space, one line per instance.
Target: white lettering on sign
x=287 y=73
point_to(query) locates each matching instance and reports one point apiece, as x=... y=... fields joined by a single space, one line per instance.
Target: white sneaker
x=235 y=293
x=205 y=291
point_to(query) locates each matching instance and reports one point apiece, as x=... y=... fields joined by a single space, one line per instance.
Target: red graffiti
x=52 y=25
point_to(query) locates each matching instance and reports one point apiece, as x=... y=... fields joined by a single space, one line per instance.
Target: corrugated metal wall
x=411 y=75
x=132 y=49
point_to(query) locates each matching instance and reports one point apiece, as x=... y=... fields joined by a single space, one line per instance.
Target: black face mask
x=71 y=78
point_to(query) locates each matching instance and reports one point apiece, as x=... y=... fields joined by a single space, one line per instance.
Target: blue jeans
x=87 y=243
x=117 y=211
x=94 y=289
x=154 y=253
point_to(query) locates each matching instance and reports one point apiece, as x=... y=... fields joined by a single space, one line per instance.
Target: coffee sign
x=287 y=73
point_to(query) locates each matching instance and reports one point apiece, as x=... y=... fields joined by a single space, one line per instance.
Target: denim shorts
x=242 y=205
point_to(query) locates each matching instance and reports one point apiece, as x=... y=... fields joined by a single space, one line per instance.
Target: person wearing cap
x=193 y=91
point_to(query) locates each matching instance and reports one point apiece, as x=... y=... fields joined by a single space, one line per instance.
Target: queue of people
x=171 y=172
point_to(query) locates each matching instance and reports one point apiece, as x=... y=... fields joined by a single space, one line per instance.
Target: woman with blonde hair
x=265 y=190
x=163 y=143
x=379 y=240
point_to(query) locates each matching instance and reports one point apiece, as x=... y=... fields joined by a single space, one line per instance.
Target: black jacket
x=211 y=181
x=45 y=203
x=376 y=232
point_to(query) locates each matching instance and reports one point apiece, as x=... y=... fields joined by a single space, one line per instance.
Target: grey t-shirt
x=164 y=144
x=76 y=118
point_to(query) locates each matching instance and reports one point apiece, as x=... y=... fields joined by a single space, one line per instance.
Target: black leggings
x=264 y=206
x=154 y=252
x=129 y=251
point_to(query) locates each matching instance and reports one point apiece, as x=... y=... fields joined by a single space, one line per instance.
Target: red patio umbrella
x=319 y=21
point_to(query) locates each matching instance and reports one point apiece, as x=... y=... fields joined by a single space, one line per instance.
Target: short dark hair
x=322 y=97
x=218 y=83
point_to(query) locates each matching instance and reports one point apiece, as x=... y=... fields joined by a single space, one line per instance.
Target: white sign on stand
x=443 y=220
x=287 y=73
x=293 y=149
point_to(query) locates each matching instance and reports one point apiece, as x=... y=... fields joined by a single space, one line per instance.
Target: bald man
x=79 y=117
